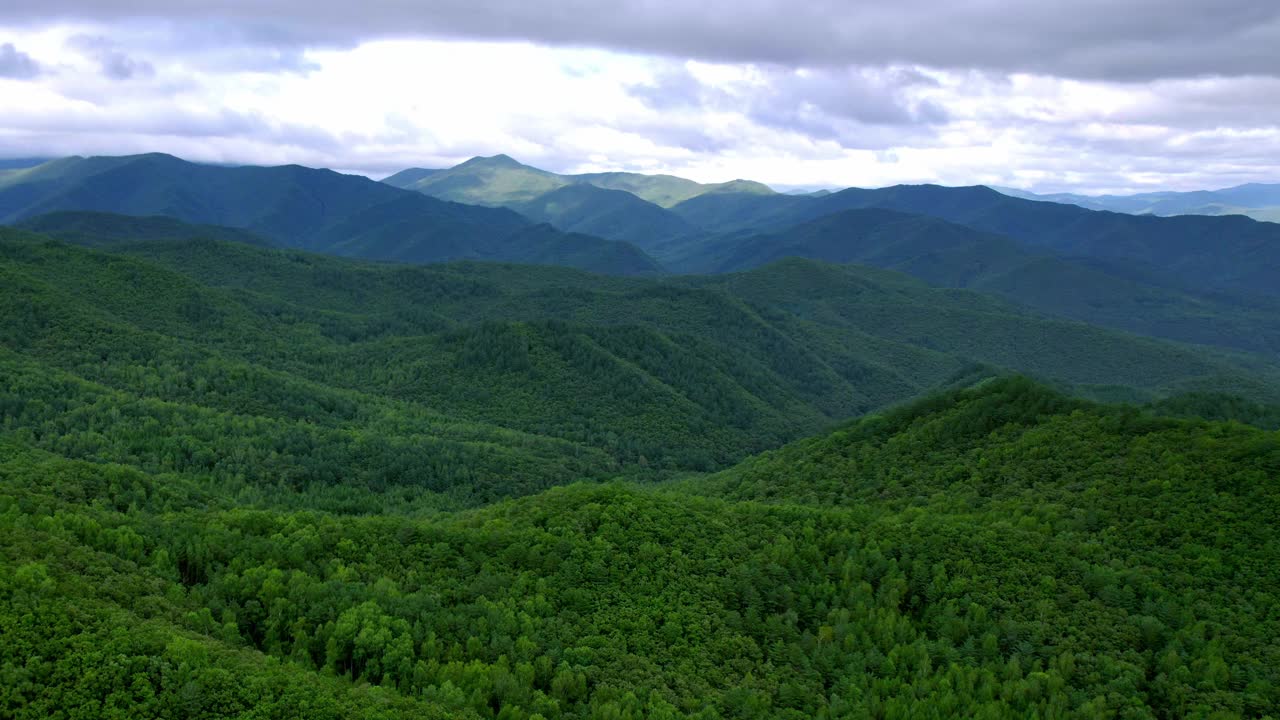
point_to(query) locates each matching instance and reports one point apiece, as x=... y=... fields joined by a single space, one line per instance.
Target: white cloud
x=379 y=106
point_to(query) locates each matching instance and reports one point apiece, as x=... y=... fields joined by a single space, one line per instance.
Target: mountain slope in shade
x=98 y=229
x=612 y=214
x=1232 y=254
x=951 y=255
x=293 y=206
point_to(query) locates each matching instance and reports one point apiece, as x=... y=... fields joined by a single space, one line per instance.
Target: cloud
x=251 y=88
x=113 y=61
x=16 y=64
x=1094 y=39
x=856 y=107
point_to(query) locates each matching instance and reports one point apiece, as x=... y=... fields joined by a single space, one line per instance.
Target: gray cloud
x=223 y=46
x=16 y=64
x=114 y=62
x=856 y=107
x=1100 y=39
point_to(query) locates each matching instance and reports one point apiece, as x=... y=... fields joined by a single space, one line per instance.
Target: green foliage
x=1001 y=551
x=100 y=229
x=243 y=482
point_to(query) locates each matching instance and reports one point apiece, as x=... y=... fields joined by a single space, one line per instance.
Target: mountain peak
x=496 y=161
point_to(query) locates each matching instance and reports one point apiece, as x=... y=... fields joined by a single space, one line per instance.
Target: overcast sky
x=1086 y=95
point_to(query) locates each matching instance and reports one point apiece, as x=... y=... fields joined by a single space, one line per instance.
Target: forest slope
x=996 y=552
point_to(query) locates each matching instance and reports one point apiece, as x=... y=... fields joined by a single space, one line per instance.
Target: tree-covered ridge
x=282 y=370
x=297 y=207
x=945 y=254
x=1002 y=551
x=1229 y=254
x=101 y=229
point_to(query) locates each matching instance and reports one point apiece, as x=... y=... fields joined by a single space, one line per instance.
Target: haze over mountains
x=1260 y=201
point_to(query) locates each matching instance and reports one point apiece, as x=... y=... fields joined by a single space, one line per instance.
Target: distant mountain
x=493 y=181
x=300 y=207
x=667 y=190
x=1256 y=200
x=613 y=214
x=946 y=254
x=405 y=178
x=1229 y=254
x=629 y=207
x=502 y=180
x=20 y=163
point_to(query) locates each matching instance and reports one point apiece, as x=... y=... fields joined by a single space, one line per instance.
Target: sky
x=1087 y=96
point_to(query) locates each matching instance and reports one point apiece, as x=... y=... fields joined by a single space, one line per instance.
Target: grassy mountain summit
x=500 y=180
x=628 y=207
x=667 y=190
x=299 y=207
x=495 y=181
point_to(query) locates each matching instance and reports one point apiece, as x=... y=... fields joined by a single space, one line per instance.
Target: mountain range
x=1197 y=279
x=1260 y=201
x=1194 y=279
x=299 y=207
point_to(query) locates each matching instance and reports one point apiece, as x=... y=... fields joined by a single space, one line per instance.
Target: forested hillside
x=997 y=552
x=244 y=481
x=678 y=374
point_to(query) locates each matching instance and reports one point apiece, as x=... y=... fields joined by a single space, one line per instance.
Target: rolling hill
x=299 y=207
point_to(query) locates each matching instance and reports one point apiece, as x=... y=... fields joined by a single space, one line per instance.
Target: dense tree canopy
x=238 y=482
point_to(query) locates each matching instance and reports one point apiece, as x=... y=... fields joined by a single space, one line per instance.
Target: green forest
x=245 y=482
